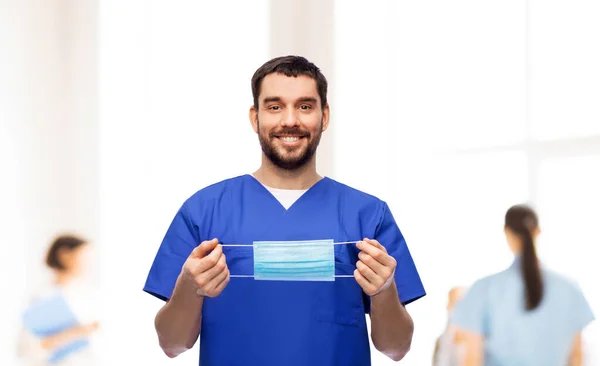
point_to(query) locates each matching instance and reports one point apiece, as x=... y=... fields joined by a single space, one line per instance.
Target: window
x=458 y=73
x=564 y=59
x=569 y=204
x=454 y=111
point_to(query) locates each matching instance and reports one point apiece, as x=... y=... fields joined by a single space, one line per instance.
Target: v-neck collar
x=274 y=199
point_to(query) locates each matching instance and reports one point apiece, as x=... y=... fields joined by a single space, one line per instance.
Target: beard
x=292 y=157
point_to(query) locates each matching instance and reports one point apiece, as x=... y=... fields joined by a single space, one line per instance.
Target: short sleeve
x=469 y=313
x=408 y=281
x=581 y=312
x=179 y=241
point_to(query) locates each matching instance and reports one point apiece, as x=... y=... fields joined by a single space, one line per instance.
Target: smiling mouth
x=290 y=140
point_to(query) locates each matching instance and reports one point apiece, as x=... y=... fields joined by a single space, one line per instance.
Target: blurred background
x=114 y=112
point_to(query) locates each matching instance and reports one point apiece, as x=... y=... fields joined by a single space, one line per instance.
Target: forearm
x=391 y=325
x=473 y=360
x=178 y=322
x=64 y=337
x=576 y=356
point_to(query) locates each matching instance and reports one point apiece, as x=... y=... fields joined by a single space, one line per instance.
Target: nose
x=290 y=118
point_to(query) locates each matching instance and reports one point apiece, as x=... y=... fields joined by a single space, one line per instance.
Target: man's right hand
x=208 y=272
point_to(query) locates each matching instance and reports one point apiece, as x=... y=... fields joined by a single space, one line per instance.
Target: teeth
x=289 y=139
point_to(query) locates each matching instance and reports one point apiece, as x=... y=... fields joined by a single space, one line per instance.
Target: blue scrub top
x=494 y=307
x=255 y=322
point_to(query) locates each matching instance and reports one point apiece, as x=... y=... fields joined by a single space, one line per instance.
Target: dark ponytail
x=522 y=221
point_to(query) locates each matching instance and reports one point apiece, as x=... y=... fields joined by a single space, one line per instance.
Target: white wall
x=305 y=28
x=46 y=135
x=13 y=233
x=174 y=101
x=81 y=62
x=32 y=107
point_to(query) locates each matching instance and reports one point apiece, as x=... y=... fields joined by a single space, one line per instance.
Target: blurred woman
x=66 y=258
x=526 y=315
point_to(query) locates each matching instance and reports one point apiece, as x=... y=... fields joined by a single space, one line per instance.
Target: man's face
x=289 y=120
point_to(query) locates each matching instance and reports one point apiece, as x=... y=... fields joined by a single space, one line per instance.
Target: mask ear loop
x=342 y=243
x=252 y=245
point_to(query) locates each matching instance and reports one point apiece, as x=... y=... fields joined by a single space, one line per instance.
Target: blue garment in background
x=494 y=307
x=281 y=322
x=50 y=316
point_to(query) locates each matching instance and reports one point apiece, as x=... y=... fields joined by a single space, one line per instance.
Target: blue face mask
x=294 y=260
x=307 y=260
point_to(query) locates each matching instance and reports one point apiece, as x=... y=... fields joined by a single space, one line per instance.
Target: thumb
x=206 y=246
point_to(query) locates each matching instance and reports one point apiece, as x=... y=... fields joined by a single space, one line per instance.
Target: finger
x=209 y=261
x=220 y=287
x=375 y=243
x=204 y=277
x=375 y=252
x=221 y=281
x=204 y=247
x=368 y=273
x=372 y=263
x=367 y=286
x=215 y=254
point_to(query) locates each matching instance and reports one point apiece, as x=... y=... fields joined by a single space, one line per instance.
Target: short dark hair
x=62 y=242
x=291 y=66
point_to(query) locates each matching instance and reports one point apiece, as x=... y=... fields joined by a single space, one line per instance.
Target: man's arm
x=391 y=325
x=178 y=322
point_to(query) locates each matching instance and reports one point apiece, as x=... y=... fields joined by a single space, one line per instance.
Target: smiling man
x=213 y=291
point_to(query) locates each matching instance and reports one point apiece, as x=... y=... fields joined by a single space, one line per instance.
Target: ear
x=326 y=114
x=253 y=116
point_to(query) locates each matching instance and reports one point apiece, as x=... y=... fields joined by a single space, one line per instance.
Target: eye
x=274 y=108
x=305 y=107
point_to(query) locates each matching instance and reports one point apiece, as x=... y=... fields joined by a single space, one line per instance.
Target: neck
x=63 y=278
x=518 y=251
x=275 y=177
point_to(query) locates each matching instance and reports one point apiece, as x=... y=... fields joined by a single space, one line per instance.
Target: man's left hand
x=375 y=269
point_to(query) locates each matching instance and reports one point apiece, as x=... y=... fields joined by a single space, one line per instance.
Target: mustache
x=291 y=131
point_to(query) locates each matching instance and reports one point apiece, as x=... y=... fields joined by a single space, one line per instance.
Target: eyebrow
x=307 y=100
x=271 y=99
x=300 y=100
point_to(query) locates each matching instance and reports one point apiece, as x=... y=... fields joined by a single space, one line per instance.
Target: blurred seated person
x=448 y=348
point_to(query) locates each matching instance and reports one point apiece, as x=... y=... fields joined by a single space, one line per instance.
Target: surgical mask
x=309 y=260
